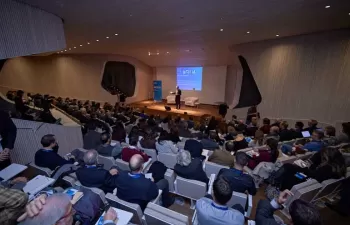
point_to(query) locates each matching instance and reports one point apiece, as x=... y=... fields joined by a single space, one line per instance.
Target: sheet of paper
x=11 y=171
x=124 y=217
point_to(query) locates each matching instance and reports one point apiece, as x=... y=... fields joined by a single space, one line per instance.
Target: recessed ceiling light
x=327 y=6
x=70 y=49
x=157 y=53
x=75 y=47
x=116 y=34
x=277 y=35
x=61 y=51
x=149 y=53
x=221 y=29
x=88 y=43
x=130 y=15
x=65 y=50
x=107 y=37
x=167 y=52
x=248 y=32
x=81 y=45
x=188 y=50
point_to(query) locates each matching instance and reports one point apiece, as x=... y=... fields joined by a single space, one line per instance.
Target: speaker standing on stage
x=178 y=97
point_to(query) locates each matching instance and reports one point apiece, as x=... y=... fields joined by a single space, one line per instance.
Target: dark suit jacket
x=194 y=171
x=50 y=159
x=92 y=140
x=239 y=181
x=95 y=177
x=264 y=213
x=250 y=131
x=8 y=131
x=194 y=147
x=286 y=135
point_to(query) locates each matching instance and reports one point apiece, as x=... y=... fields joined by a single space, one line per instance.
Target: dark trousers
x=177 y=101
x=237 y=207
x=166 y=199
x=4 y=164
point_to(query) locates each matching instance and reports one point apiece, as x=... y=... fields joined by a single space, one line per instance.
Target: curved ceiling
x=187 y=32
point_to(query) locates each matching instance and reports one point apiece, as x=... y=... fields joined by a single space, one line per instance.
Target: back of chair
x=158 y=215
x=151 y=153
x=40 y=170
x=170 y=177
x=122 y=164
x=98 y=191
x=287 y=159
x=168 y=159
x=107 y=162
x=135 y=209
x=213 y=168
x=192 y=189
x=328 y=187
x=238 y=198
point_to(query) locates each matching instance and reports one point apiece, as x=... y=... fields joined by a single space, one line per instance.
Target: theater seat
x=158 y=215
x=122 y=164
x=191 y=189
x=213 y=168
x=107 y=162
x=328 y=187
x=40 y=170
x=168 y=159
x=170 y=176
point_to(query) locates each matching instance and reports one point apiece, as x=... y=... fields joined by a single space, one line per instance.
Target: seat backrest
x=168 y=159
x=238 y=198
x=107 y=162
x=151 y=153
x=40 y=170
x=305 y=156
x=328 y=187
x=170 y=177
x=98 y=191
x=158 y=215
x=192 y=189
x=288 y=159
x=213 y=168
x=135 y=209
x=303 y=185
x=122 y=164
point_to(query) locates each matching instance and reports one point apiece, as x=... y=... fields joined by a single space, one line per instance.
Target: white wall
x=213 y=83
x=73 y=76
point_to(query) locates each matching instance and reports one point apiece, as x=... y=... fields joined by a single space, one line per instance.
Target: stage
x=155 y=108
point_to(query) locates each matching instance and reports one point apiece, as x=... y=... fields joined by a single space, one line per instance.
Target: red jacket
x=128 y=152
x=264 y=156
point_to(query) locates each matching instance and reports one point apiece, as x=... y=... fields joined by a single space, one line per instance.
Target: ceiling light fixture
x=188 y=50
x=327 y=6
x=116 y=34
x=248 y=32
x=221 y=29
x=97 y=40
x=65 y=50
x=88 y=43
x=81 y=45
x=277 y=35
x=149 y=53
x=157 y=53
x=167 y=52
x=75 y=47
x=61 y=51
x=107 y=37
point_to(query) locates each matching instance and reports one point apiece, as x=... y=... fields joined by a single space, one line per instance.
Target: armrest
x=157 y=199
x=211 y=182
x=250 y=206
x=194 y=218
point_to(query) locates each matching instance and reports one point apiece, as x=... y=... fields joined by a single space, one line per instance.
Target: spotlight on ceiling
x=81 y=45
x=248 y=32
x=88 y=43
x=116 y=34
x=149 y=53
x=277 y=35
x=188 y=50
x=221 y=29
x=327 y=6
x=75 y=47
x=61 y=51
x=157 y=53
x=167 y=52
x=107 y=37
x=97 y=40
x=65 y=50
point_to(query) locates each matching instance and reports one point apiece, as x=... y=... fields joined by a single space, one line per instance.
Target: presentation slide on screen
x=189 y=78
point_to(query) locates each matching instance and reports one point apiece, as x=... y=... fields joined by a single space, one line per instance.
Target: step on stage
x=155 y=108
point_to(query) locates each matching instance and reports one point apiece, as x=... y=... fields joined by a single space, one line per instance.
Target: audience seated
x=312 y=126
x=184 y=131
x=231 y=133
x=213 y=210
x=165 y=124
x=225 y=156
x=301 y=212
x=258 y=139
x=239 y=181
x=164 y=144
x=8 y=133
x=315 y=145
x=252 y=127
x=149 y=140
x=132 y=149
x=119 y=132
x=174 y=134
x=93 y=175
x=240 y=142
x=298 y=128
x=106 y=149
x=344 y=137
x=48 y=156
x=265 y=128
x=285 y=134
x=329 y=136
x=92 y=139
x=209 y=141
x=190 y=122
x=189 y=168
x=195 y=148
x=267 y=154
x=274 y=133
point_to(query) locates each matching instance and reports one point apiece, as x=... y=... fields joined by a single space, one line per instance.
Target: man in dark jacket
x=285 y=134
x=8 y=133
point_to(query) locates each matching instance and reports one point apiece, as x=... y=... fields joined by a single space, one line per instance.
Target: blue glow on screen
x=189 y=78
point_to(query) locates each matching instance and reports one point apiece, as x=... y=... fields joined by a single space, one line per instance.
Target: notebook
x=124 y=217
x=74 y=194
x=11 y=171
x=37 y=184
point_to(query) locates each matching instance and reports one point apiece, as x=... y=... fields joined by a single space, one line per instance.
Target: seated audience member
x=195 y=148
x=184 y=131
x=12 y=200
x=91 y=175
x=324 y=165
x=106 y=149
x=239 y=181
x=19 y=103
x=151 y=121
x=165 y=124
x=213 y=209
x=234 y=120
x=252 y=127
x=258 y=139
x=274 y=133
x=134 y=187
x=312 y=126
x=119 y=133
x=189 y=168
x=329 y=136
x=224 y=157
x=149 y=140
x=276 y=123
x=344 y=137
x=213 y=123
x=92 y=139
x=231 y=133
x=209 y=141
x=8 y=134
x=241 y=127
x=132 y=149
x=56 y=209
x=174 y=135
x=164 y=144
x=315 y=145
x=48 y=156
x=265 y=128
x=298 y=128
x=267 y=154
x=190 y=122
x=285 y=134
x=240 y=142
x=301 y=212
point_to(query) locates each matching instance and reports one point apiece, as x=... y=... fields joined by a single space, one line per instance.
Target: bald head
x=90 y=157
x=274 y=130
x=136 y=163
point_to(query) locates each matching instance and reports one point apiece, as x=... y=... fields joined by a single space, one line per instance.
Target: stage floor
x=151 y=107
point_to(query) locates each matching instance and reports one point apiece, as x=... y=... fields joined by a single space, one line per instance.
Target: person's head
x=259 y=136
x=90 y=157
x=329 y=131
x=274 y=130
x=299 y=126
x=149 y=135
x=272 y=143
x=57 y=210
x=212 y=135
x=304 y=213
x=190 y=118
x=177 y=87
x=231 y=130
x=284 y=125
x=230 y=146
x=234 y=117
x=254 y=121
x=184 y=158
x=222 y=191
x=133 y=139
x=346 y=128
x=163 y=136
x=241 y=159
x=20 y=93
x=266 y=121
x=312 y=123
x=83 y=111
x=106 y=138
x=317 y=135
x=136 y=163
x=48 y=141
x=184 y=125
x=333 y=158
